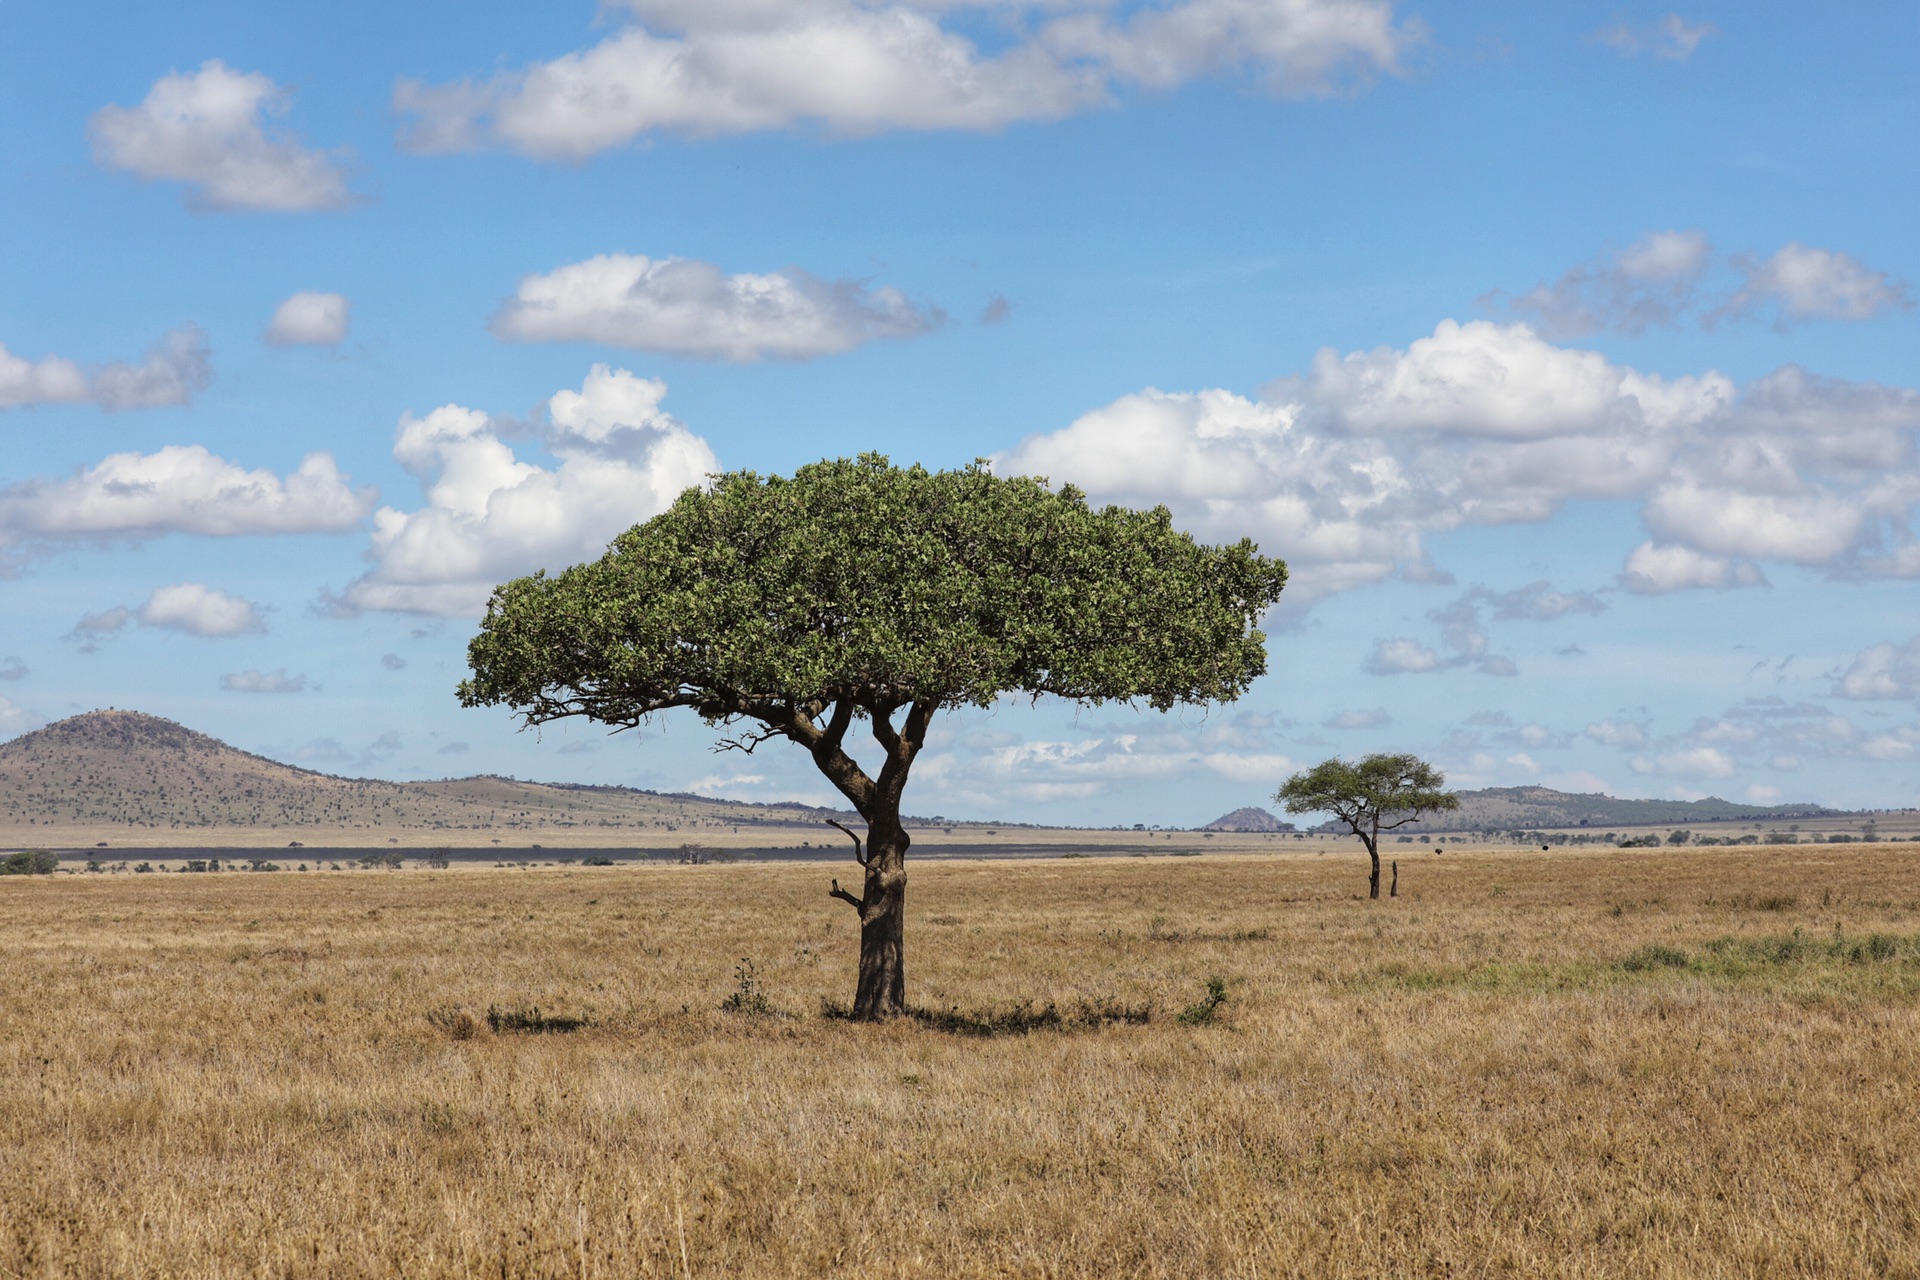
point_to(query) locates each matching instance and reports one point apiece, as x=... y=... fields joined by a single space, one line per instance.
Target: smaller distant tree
x=1378 y=793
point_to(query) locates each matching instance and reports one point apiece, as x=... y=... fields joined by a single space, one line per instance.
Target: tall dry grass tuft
x=1690 y=1063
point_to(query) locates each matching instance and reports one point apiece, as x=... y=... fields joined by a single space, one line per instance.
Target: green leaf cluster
x=1364 y=793
x=855 y=581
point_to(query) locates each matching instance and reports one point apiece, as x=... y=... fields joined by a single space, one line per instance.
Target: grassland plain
x=1620 y=1063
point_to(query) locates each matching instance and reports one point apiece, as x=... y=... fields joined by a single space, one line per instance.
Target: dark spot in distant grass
x=1654 y=956
x=530 y=1022
x=1021 y=1019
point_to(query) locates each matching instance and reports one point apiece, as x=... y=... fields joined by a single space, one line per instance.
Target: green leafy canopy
x=860 y=582
x=1362 y=794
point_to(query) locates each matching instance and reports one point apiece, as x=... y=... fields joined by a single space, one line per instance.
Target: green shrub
x=1199 y=1015
x=30 y=862
x=1655 y=957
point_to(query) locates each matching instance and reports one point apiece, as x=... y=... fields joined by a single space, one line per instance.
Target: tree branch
x=858 y=904
x=858 y=856
x=746 y=742
x=881 y=714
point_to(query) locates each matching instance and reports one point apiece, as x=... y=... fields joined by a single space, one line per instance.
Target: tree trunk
x=882 y=992
x=1373 y=852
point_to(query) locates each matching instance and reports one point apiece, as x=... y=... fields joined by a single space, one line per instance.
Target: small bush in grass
x=1655 y=957
x=30 y=862
x=747 y=997
x=1879 y=946
x=1199 y=1015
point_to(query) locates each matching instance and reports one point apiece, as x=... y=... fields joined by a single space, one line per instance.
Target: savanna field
x=1700 y=1062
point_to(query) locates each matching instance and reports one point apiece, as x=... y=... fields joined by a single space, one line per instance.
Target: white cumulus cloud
x=207 y=129
x=489 y=516
x=1654 y=569
x=1346 y=471
x=16 y=719
x=1651 y=282
x=685 y=307
x=1667 y=277
x=199 y=610
x=1401 y=656
x=1802 y=283
x=173 y=371
x=310 y=319
x=706 y=67
x=178 y=489
x=1618 y=733
x=1884 y=671
x=49 y=380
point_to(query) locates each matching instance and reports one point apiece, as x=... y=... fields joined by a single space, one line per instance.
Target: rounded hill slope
x=127 y=770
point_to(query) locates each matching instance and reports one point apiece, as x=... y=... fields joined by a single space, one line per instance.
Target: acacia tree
x=1367 y=794
x=857 y=592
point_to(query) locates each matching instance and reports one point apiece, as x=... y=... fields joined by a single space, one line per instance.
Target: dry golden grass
x=1692 y=1063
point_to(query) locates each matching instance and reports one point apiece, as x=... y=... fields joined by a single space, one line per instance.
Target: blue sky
x=1568 y=353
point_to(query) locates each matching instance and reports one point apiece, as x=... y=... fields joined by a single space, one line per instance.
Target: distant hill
x=1248 y=820
x=1540 y=808
x=127 y=770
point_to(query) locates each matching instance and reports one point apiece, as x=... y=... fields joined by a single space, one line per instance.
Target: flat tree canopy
x=857 y=591
x=1365 y=795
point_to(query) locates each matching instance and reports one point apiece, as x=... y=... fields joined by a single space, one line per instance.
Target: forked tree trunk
x=1373 y=852
x=882 y=992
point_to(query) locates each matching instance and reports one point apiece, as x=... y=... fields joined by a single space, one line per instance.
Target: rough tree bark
x=1373 y=851
x=882 y=902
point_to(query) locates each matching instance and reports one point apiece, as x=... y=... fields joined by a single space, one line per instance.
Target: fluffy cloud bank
x=490 y=516
x=179 y=489
x=866 y=66
x=200 y=610
x=1883 y=671
x=192 y=608
x=1346 y=469
x=173 y=371
x=690 y=308
x=208 y=130
x=981 y=766
x=1662 y=279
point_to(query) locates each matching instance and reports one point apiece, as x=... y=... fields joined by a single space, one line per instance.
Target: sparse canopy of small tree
x=1377 y=794
x=857 y=591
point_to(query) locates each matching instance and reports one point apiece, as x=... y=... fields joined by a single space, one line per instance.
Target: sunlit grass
x=1681 y=1063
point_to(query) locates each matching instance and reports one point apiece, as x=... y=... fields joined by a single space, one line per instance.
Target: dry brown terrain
x=133 y=779
x=1660 y=1063
x=123 y=780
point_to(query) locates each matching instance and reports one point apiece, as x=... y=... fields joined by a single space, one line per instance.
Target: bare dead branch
x=859 y=854
x=858 y=904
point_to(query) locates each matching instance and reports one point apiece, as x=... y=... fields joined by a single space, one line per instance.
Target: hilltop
x=146 y=775
x=1248 y=820
x=1542 y=808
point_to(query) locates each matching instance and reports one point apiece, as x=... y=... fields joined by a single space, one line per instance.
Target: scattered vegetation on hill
x=144 y=773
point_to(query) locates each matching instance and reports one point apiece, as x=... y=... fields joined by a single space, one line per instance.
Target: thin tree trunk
x=882 y=992
x=1373 y=852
